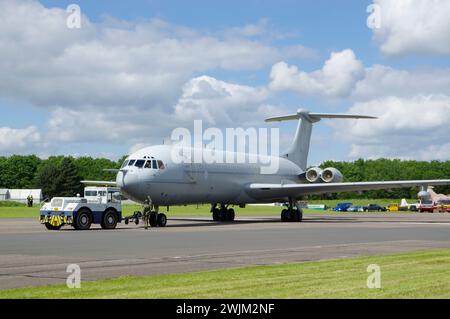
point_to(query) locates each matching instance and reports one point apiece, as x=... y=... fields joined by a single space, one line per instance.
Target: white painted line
x=429 y=223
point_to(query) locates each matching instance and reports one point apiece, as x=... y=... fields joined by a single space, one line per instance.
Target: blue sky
x=321 y=28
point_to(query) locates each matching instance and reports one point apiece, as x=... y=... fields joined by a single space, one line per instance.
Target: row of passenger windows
x=153 y=164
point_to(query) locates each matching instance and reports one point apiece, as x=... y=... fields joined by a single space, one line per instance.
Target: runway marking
x=426 y=223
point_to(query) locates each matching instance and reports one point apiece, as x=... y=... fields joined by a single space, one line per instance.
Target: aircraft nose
x=127 y=181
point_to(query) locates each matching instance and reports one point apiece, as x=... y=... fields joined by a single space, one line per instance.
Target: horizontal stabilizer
x=316 y=117
x=298 y=152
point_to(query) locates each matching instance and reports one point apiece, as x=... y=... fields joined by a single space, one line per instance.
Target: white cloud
x=382 y=81
x=220 y=102
x=93 y=78
x=19 y=140
x=335 y=79
x=415 y=127
x=114 y=125
x=115 y=63
x=414 y=27
x=344 y=76
x=136 y=147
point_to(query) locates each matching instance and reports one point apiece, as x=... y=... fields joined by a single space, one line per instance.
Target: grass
x=20 y=211
x=11 y=204
x=424 y=274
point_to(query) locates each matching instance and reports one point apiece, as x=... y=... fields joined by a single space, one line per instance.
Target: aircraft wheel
x=162 y=220
x=154 y=220
x=51 y=227
x=231 y=215
x=223 y=215
x=284 y=215
x=216 y=214
x=83 y=220
x=109 y=220
x=293 y=215
x=299 y=216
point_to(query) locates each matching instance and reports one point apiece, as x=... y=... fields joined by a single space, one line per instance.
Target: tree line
x=56 y=176
x=390 y=169
x=61 y=175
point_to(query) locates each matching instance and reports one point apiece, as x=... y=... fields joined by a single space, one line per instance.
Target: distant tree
x=93 y=168
x=69 y=181
x=19 y=171
x=47 y=179
x=61 y=176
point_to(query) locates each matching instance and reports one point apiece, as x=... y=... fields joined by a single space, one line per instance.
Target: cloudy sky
x=135 y=71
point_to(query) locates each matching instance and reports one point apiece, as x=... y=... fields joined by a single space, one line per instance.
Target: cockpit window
x=131 y=163
x=154 y=164
x=148 y=164
x=161 y=165
x=125 y=164
x=139 y=163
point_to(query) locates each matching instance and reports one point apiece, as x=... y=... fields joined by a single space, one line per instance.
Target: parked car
x=393 y=207
x=342 y=207
x=355 y=209
x=374 y=208
x=426 y=206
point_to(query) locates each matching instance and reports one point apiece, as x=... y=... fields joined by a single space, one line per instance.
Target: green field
x=423 y=274
x=200 y=210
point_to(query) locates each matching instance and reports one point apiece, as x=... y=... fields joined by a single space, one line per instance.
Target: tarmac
x=30 y=255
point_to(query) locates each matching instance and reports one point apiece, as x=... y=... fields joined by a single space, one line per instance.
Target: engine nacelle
x=331 y=175
x=424 y=196
x=313 y=175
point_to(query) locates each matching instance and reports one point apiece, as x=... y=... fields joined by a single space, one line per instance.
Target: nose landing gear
x=150 y=216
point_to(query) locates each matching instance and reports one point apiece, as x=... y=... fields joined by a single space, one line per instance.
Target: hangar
x=4 y=194
x=20 y=195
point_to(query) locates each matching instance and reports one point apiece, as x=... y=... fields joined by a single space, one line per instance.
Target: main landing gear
x=292 y=214
x=222 y=214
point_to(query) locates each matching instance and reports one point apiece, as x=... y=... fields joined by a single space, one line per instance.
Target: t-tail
x=298 y=152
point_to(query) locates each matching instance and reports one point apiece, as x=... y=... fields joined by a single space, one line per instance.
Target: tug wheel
x=83 y=220
x=109 y=220
x=51 y=227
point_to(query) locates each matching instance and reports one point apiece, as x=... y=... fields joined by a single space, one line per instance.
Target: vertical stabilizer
x=299 y=150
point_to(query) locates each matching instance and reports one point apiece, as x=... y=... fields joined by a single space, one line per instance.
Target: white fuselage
x=177 y=182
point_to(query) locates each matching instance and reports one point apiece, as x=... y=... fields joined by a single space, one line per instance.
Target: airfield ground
x=32 y=256
x=410 y=275
x=202 y=210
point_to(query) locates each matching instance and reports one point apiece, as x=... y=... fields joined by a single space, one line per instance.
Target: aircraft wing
x=278 y=191
x=99 y=183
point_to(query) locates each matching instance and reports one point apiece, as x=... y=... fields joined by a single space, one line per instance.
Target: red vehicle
x=426 y=206
x=431 y=207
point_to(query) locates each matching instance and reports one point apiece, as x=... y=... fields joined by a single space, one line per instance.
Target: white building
x=21 y=195
x=4 y=194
